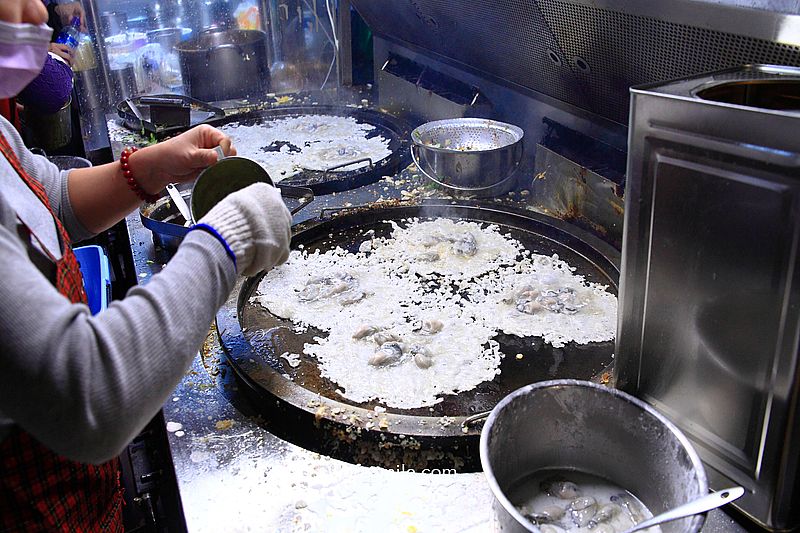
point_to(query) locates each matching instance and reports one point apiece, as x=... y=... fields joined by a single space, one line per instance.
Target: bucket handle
x=415 y=159
x=225 y=46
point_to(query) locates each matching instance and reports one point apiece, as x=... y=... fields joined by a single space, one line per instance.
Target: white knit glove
x=256 y=225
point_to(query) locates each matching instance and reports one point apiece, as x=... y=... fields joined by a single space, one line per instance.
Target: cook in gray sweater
x=75 y=388
x=85 y=385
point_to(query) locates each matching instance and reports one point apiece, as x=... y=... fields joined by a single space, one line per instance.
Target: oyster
x=422 y=356
x=388 y=354
x=428 y=327
x=560 y=488
x=365 y=331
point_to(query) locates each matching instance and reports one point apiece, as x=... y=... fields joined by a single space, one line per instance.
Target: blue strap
x=220 y=238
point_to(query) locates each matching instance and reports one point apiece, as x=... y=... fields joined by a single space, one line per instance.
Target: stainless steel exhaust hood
x=587 y=53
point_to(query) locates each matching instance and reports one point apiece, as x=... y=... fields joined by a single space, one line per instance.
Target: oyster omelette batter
x=412 y=316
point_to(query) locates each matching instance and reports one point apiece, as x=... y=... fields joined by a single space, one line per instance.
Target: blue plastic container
x=96 y=276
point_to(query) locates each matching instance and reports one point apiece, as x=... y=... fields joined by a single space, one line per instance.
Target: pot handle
x=475 y=418
x=303 y=195
x=415 y=159
x=227 y=46
x=342 y=165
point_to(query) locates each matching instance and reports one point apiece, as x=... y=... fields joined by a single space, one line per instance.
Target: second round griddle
x=254 y=339
x=391 y=128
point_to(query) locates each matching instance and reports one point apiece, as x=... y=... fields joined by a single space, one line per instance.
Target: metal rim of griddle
x=264 y=377
x=327 y=181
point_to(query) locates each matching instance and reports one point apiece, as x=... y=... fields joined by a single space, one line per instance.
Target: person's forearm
x=100 y=196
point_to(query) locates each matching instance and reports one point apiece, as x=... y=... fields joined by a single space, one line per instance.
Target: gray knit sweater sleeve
x=85 y=385
x=55 y=182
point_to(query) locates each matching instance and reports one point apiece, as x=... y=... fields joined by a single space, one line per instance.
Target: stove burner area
x=301 y=405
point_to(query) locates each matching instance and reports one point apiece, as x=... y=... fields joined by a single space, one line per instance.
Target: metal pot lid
x=224 y=177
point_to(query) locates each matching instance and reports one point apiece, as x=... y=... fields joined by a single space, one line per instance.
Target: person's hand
x=63 y=51
x=179 y=159
x=66 y=12
x=256 y=225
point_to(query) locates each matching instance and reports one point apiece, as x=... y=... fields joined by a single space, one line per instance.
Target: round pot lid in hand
x=226 y=176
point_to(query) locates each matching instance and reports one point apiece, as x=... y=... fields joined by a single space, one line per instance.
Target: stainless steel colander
x=472 y=155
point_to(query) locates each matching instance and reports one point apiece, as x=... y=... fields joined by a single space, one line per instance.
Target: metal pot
x=123 y=82
x=113 y=23
x=472 y=156
x=578 y=425
x=49 y=131
x=64 y=162
x=225 y=65
x=168 y=38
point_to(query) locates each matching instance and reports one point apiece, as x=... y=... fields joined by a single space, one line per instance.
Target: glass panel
x=144 y=44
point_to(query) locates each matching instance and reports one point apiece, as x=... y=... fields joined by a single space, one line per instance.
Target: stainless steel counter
x=234 y=475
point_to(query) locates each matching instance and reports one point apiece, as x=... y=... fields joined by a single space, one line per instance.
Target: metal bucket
x=582 y=426
x=63 y=162
x=68 y=162
x=123 y=83
x=48 y=131
x=224 y=65
x=472 y=156
x=168 y=38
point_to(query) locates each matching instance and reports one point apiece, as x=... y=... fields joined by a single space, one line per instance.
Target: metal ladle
x=180 y=203
x=700 y=505
x=177 y=197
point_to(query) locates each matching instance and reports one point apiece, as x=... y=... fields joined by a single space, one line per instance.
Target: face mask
x=23 y=51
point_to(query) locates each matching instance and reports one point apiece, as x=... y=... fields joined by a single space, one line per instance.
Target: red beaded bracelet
x=127 y=173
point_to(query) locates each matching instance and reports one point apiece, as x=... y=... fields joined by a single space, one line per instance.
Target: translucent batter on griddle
x=411 y=317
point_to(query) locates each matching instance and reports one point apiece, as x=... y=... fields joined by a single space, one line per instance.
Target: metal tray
x=200 y=112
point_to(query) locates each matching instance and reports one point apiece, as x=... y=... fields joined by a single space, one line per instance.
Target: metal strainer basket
x=472 y=155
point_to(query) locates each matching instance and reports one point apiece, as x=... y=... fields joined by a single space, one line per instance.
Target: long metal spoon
x=700 y=505
x=180 y=203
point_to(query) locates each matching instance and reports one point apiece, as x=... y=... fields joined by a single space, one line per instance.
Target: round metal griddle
x=314 y=415
x=395 y=130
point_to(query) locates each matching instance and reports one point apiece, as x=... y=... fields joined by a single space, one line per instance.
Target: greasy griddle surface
x=269 y=336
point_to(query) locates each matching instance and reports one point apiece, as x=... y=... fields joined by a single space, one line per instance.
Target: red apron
x=39 y=489
x=8 y=108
